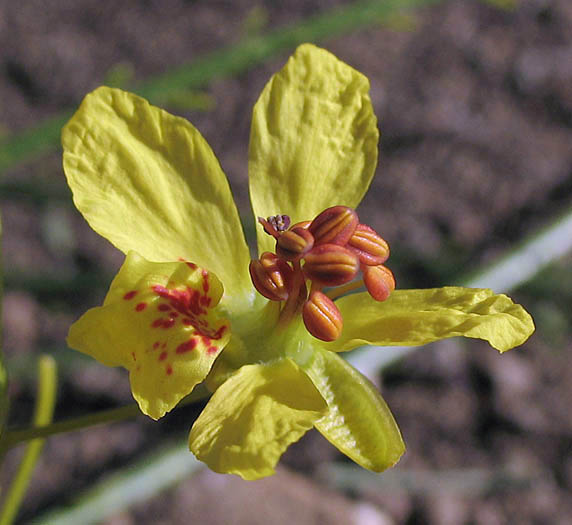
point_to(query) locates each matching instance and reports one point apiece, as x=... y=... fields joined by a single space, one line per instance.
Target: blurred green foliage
x=228 y=61
x=3 y=376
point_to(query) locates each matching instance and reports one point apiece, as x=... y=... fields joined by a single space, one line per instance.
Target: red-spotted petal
x=160 y=322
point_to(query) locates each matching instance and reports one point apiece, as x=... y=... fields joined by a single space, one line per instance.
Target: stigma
x=310 y=256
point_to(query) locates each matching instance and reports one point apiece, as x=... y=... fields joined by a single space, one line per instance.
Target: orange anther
x=322 y=317
x=334 y=225
x=293 y=244
x=330 y=265
x=271 y=276
x=301 y=224
x=379 y=281
x=371 y=249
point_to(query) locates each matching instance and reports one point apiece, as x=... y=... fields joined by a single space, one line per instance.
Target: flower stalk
x=14 y=438
x=45 y=403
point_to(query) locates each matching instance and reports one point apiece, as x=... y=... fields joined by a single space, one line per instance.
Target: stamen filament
x=334 y=293
x=293 y=303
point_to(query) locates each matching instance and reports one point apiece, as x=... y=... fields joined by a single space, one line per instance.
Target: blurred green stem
x=3 y=375
x=15 y=437
x=46 y=400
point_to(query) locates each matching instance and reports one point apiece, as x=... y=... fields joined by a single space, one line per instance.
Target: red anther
x=379 y=281
x=371 y=249
x=334 y=225
x=330 y=265
x=271 y=276
x=322 y=317
x=293 y=244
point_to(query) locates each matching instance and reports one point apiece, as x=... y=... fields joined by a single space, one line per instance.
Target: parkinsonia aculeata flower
x=188 y=306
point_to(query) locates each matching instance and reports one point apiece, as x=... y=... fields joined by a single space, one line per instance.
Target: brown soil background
x=475 y=108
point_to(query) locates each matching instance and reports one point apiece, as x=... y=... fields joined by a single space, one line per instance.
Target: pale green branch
x=46 y=400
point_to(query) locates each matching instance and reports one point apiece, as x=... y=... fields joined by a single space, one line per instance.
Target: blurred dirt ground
x=475 y=108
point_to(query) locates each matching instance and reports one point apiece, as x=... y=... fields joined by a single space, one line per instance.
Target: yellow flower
x=183 y=310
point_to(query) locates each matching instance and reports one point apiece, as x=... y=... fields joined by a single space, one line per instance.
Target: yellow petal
x=313 y=141
x=253 y=417
x=358 y=421
x=148 y=181
x=415 y=317
x=158 y=321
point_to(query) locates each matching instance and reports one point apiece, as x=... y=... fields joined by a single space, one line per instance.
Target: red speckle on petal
x=187 y=346
x=163 y=356
x=140 y=307
x=184 y=301
x=156 y=345
x=206 y=300
x=133 y=356
x=129 y=295
x=191 y=265
x=169 y=370
x=219 y=333
x=212 y=349
x=168 y=323
x=194 y=305
x=188 y=304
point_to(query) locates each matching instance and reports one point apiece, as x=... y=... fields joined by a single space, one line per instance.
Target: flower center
x=327 y=252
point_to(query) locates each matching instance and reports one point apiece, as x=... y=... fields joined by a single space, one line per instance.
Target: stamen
x=321 y=316
x=298 y=294
x=371 y=249
x=271 y=276
x=331 y=265
x=293 y=244
x=379 y=281
x=328 y=251
x=335 y=225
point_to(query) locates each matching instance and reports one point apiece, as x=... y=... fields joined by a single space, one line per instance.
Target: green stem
x=3 y=374
x=15 y=437
x=46 y=400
